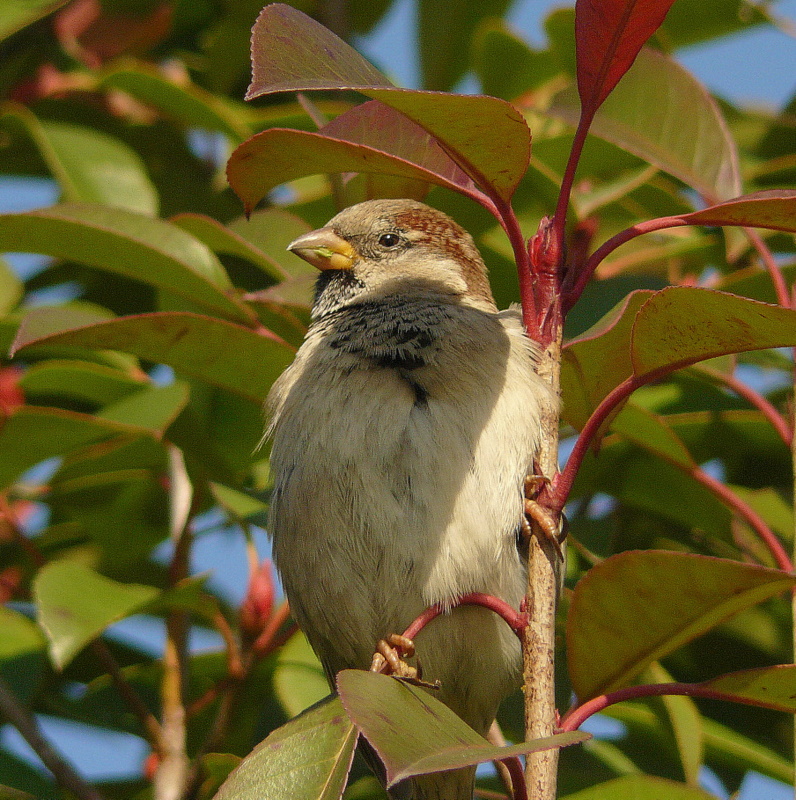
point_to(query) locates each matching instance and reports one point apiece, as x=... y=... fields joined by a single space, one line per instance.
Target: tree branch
x=172 y=772
x=18 y=716
x=538 y=645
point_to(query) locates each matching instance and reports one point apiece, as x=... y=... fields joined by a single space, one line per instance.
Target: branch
x=544 y=565
x=18 y=716
x=172 y=772
x=147 y=720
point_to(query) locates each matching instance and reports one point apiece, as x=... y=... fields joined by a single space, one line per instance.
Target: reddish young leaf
x=379 y=126
x=488 y=138
x=289 y=48
x=609 y=35
x=371 y=138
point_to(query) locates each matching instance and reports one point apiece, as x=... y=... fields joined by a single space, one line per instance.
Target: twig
x=770 y=263
x=583 y=276
x=18 y=716
x=33 y=552
x=767 y=409
x=146 y=718
x=562 y=483
x=744 y=510
x=575 y=717
x=509 y=769
x=172 y=772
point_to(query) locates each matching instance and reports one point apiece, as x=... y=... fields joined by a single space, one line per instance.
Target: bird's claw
x=389 y=659
x=551 y=529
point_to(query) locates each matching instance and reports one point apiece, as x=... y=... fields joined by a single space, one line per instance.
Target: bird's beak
x=323 y=249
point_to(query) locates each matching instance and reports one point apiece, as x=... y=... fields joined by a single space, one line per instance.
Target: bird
x=401 y=438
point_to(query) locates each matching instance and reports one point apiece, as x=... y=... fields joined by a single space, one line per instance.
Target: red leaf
x=609 y=35
x=487 y=137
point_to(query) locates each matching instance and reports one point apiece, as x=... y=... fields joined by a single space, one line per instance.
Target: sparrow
x=402 y=434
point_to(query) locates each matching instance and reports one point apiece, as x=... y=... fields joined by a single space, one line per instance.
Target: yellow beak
x=323 y=249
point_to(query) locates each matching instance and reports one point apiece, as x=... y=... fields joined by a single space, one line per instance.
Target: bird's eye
x=389 y=239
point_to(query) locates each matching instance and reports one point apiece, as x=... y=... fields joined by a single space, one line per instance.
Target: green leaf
x=80 y=380
x=223 y=354
x=486 y=137
x=189 y=103
x=686 y=724
x=660 y=113
x=640 y=787
x=734 y=750
x=767 y=687
x=505 y=65
x=271 y=231
x=288 y=46
x=682 y=325
x=774 y=209
x=638 y=606
x=654 y=333
x=11 y=288
x=240 y=505
x=445 y=29
x=221 y=239
x=371 y=138
x=309 y=757
x=33 y=434
x=74 y=604
x=136 y=246
x=90 y=166
x=17 y=14
x=598 y=360
x=415 y=734
x=650 y=432
x=682 y=27
x=20 y=635
x=299 y=679
x=152 y=409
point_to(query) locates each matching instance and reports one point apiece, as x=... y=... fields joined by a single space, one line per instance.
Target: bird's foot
x=389 y=659
x=552 y=530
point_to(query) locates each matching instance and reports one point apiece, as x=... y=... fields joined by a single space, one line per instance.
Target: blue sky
x=758 y=66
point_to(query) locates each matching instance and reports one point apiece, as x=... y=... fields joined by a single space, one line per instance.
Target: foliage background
x=166 y=106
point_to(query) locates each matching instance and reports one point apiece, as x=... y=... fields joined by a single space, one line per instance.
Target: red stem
x=516 y=620
x=756 y=522
x=584 y=276
x=508 y=220
x=514 y=767
x=562 y=483
x=767 y=409
x=268 y=641
x=575 y=717
x=568 y=179
x=775 y=273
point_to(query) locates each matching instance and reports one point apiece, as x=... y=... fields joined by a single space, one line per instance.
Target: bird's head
x=388 y=247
